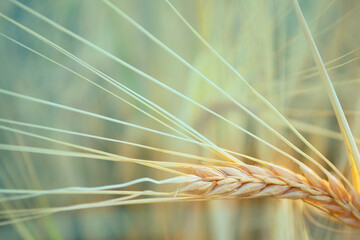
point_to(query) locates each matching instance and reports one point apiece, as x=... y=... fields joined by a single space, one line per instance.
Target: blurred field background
x=261 y=39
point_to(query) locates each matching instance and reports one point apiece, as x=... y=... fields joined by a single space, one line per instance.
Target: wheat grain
x=249 y=181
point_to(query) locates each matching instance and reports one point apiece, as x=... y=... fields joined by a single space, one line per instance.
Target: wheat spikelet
x=254 y=181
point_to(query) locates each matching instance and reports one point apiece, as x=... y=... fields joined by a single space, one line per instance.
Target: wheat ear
x=251 y=181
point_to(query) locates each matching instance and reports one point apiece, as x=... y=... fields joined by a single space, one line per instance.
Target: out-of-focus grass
x=262 y=40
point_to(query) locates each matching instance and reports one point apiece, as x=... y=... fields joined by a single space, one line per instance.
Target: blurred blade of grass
x=353 y=151
x=272 y=107
x=127 y=65
x=122 y=62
